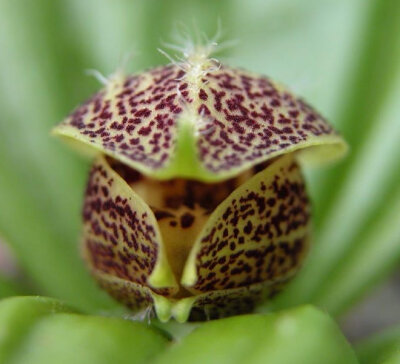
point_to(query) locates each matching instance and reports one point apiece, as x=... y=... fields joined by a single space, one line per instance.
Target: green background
x=343 y=56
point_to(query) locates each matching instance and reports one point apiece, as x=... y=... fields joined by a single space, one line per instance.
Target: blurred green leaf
x=17 y=314
x=371 y=203
x=43 y=330
x=374 y=257
x=383 y=347
x=356 y=191
x=301 y=335
x=8 y=287
x=41 y=185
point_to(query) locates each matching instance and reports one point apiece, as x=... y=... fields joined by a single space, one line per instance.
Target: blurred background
x=343 y=56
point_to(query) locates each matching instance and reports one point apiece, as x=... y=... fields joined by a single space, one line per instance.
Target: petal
x=260 y=233
x=135 y=296
x=174 y=122
x=181 y=207
x=132 y=119
x=252 y=119
x=223 y=303
x=121 y=240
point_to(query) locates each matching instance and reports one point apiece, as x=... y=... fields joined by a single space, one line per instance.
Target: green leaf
x=383 y=347
x=353 y=194
x=43 y=330
x=9 y=287
x=367 y=213
x=41 y=185
x=17 y=314
x=301 y=335
x=373 y=257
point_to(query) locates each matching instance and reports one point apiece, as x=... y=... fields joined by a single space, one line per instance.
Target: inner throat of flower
x=181 y=207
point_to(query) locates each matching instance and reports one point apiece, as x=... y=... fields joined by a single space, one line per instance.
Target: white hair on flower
x=123 y=62
x=195 y=52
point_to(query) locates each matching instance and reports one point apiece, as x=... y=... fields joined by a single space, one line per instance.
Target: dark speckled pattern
x=239 y=119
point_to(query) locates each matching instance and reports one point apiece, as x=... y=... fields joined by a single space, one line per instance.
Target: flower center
x=181 y=207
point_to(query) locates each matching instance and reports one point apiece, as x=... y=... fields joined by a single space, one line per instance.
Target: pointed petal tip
x=181 y=309
x=162 y=307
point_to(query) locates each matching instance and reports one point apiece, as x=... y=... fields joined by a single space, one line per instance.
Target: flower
x=196 y=204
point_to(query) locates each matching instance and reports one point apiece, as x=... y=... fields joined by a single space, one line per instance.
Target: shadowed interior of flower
x=181 y=208
x=222 y=246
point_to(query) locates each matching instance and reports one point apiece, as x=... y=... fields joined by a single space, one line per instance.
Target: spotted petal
x=224 y=303
x=260 y=233
x=173 y=121
x=253 y=119
x=121 y=240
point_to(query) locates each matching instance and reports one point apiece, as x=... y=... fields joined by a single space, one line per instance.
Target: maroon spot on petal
x=187 y=220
